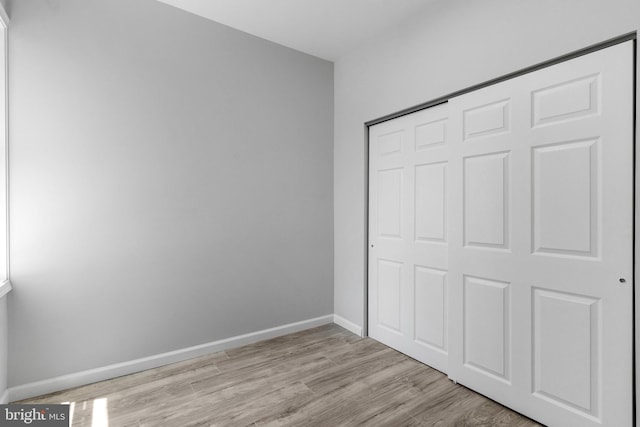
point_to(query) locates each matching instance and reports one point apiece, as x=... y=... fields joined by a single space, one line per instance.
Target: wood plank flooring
x=324 y=376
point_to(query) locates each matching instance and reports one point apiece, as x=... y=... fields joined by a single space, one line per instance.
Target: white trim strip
x=347 y=324
x=5 y=288
x=4 y=399
x=51 y=385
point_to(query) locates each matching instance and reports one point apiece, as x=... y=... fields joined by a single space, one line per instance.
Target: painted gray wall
x=456 y=44
x=3 y=316
x=171 y=184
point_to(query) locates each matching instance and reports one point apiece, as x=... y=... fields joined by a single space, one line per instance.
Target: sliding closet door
x=408 y=235
x=540 y=241
x=501 y=239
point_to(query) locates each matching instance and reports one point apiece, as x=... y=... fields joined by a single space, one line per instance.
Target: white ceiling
x=324 y=28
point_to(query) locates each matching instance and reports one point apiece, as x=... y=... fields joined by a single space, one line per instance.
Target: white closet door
x=408 y=235
x=540 y=241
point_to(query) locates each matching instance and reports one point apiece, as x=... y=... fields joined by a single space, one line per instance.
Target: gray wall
x=3 y=320
x=171 y=184
x=456 y=44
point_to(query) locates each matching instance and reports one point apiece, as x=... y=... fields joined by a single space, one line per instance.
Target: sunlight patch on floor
x=100 y=416
x=99 y=412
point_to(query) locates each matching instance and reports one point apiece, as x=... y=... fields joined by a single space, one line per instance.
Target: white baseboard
x=4 y=399
x=51 y=385
x=347 y=324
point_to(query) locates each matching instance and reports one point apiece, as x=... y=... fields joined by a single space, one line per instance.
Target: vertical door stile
x=455 y=232
x=408 y=308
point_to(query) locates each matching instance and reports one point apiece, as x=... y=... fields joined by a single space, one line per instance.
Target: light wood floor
x=324 y=376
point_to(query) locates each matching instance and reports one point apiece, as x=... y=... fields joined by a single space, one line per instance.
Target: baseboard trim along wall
x=51 y=385
x=4 y=398
x=347 y=324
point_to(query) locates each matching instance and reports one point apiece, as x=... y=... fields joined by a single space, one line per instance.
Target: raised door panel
x=431 y=134
x=390 y=144
x=567 y=345
x=566 y=101
x=486 y=120
x=431 y=308
x=430 y=202
x=486 y=200
x=487 y=321
x=390 y=295
x=565 y=198
x=390 y=203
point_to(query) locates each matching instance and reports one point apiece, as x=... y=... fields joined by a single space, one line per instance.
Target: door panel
x=430 y=307
x=408 y=287
x=486 y=200
x=566 y=100
x=545 y=302
x=486 y=120
x=431 y=202
x=390 y=295
x=566 y=202
x=566 y=324
x=390 y=203
x=486 y=326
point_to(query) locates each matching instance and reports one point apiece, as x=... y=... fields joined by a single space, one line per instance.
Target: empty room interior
x=319 y=212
